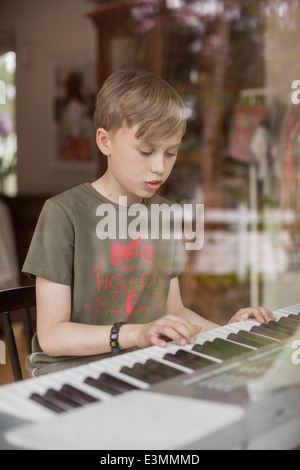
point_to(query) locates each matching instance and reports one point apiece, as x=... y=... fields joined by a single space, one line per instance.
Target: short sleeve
x=51 y=251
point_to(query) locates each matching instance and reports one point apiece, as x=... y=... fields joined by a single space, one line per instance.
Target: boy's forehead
x=174 y=139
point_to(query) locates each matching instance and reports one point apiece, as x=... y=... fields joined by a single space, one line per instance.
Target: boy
x=99 y=289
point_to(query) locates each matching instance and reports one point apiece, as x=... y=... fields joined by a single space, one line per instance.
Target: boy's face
x=138 y=167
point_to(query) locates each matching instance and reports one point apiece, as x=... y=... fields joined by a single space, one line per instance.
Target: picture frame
x=72 y=94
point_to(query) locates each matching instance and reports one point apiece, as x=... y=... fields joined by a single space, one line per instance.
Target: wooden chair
x=11 y=300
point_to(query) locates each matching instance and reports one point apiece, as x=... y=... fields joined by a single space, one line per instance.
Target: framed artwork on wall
x=72 y=94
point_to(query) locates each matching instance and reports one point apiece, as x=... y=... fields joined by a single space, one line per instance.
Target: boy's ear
x=103 y=141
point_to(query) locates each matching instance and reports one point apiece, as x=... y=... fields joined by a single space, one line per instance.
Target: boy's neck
x=103 y=186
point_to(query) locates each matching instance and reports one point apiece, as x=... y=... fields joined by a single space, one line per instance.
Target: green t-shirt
x=81 y=240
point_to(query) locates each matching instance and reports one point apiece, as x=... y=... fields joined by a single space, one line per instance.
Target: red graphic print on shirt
x=120 y=253
x=132 y=278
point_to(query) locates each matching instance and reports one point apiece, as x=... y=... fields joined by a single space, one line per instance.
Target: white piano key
x=207 y=335
x=13 y=403
x=228 y=329
x=203 y=340
x=114 y=365
x=293 y=309
x=211 y=335
x=80 y=373
x=236 y=327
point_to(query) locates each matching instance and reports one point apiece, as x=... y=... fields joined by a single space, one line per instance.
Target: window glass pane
x=236 y=65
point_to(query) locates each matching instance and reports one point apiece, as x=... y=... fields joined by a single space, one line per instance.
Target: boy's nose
x=158 y=164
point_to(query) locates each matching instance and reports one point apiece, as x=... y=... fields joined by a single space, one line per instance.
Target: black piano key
x=110 y=384
x=220 y=349
x=295 y=316
x=47 y=403
x=280 y=327
x=121 y=385
x=100 y=386
x=263 y=329
x=60 y=399
x=207 y=351
x=251 y=339
x=140 y=372
x=275 y=328
x=247 y=341
x=227 y=345
x=154 y=371
x=163 y=370
x=212 y=350
x=289 y=322
x=151 y=372
x=260 y=340
x=82 y=398
x=187 y=359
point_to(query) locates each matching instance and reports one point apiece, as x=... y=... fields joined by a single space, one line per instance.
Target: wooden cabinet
x=140 y=46
x=112 y=22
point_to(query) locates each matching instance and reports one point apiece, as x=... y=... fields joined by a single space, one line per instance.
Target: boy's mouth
x=155 y=184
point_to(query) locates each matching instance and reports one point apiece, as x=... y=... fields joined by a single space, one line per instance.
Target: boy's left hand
x=261 y=314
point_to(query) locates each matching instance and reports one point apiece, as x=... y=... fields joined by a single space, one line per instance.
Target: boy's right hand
x=171 y=327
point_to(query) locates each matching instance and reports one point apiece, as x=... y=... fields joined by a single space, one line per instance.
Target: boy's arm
x=175 y=306
x=58 y=336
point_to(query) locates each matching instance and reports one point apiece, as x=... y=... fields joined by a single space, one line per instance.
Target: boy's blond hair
x=139 y=97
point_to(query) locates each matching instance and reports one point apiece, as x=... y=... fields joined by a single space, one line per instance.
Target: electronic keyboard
x=207 y=395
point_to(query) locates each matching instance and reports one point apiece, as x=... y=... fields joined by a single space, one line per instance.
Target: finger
x=261 y=314
x=157 y=341
x=256 y=313
x=267 y=314
x=165 y=335
x=180 y=337
x=177 y=332
x=240 y=315
x=187 y=329
x=245 y=313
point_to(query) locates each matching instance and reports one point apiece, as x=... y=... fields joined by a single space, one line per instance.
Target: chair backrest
x=11 y=300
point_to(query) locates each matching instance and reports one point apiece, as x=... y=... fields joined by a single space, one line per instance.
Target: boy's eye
x=170 y=154
x=146 y=153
